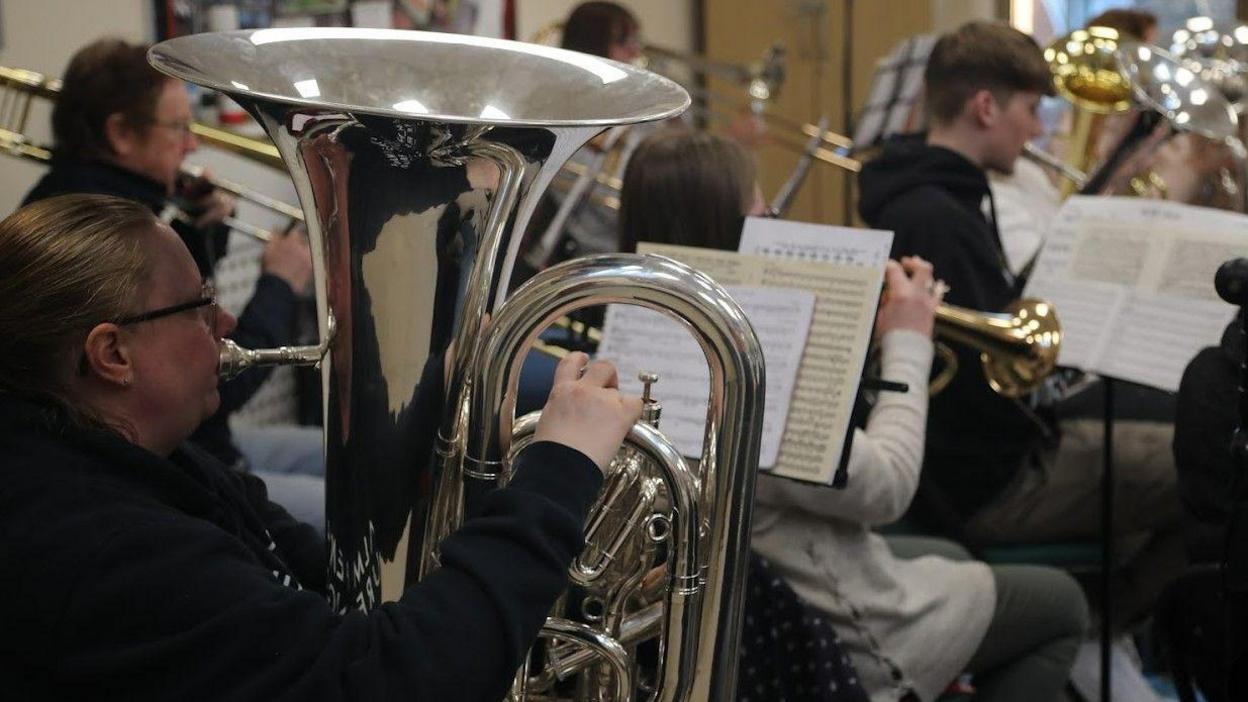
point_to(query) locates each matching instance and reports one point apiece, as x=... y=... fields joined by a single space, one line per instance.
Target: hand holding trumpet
x=911 y=296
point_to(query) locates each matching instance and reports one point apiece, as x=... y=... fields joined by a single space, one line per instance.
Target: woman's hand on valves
x=586 y=410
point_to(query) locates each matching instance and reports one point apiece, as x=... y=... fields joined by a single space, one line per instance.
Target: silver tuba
x=418 y=158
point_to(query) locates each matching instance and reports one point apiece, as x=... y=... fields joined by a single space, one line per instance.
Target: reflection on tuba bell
x=415 y=196
x=1018 y=347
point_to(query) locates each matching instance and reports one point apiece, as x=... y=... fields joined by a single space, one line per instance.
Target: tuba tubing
x=685 y=574
x=730 y=448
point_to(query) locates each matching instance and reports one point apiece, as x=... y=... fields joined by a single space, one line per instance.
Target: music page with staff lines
x=1132 y=282
x=637 y=338
x=845 y=297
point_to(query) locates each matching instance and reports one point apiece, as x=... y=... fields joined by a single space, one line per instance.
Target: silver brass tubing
x=242 y=191
x=600 y=646
x=235 y=359
x=788 y=191
x=729 y=461
x=1044 y=158
x=686 y=562
x=637 y=627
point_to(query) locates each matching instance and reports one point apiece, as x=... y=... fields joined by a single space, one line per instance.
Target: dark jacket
x=268 y=320
x=931 y=198
x=1205 y=422
x=126 y=576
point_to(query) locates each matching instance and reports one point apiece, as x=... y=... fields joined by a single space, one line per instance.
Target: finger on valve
x=587 y=413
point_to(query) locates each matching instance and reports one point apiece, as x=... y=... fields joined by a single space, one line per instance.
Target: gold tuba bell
x=418 y=159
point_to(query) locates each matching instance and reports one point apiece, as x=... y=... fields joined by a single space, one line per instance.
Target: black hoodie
x=931 y=198
x=128 y=576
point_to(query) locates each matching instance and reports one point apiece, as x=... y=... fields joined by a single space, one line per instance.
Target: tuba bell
x=418 y=159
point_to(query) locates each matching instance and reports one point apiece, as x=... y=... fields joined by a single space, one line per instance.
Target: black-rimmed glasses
x=207 y=304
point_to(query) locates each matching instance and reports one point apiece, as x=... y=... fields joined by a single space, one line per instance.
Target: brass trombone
x=760 y=81
x=20 y=86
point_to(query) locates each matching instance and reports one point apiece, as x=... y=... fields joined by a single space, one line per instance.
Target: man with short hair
x=1000 y=470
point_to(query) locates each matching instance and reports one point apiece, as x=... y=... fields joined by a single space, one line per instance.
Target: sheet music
x=631 y=334
x=827 y=380
x=1156 y=351
x=815 y=242
x=1132 y=281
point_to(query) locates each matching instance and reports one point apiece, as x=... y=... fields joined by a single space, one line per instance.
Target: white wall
x=667 y=23
x=948 y=15
x=41 y=35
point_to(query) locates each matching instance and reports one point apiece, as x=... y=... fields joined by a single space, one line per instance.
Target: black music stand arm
x=1143 y=127
x=1107 y=537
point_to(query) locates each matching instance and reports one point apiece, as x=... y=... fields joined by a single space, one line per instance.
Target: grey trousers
x=1060 y=500
x=1038 y=623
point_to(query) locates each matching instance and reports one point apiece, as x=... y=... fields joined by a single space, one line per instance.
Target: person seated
x=137 y=566
x=609 y=30
x=1000 y=470
x=123 y=128
x=911 y=626
x=1181 y=167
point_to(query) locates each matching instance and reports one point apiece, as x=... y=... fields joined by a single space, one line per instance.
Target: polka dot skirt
x=789 y=652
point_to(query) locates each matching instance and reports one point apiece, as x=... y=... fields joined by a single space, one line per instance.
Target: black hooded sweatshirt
x=128 y=576
x=931 y=198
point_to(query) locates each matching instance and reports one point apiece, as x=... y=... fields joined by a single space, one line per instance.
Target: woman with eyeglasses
x=136 y=567
x=123 y=128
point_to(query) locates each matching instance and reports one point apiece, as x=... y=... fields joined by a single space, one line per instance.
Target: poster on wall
x=479 y=17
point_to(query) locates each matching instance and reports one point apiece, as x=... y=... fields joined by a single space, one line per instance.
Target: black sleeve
x=301 y=546
x=1205 y=421
x=940 y=233
x=177 y=609
x=267 y=321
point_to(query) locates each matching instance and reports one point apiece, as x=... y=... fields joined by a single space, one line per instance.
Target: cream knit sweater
x=908 y=624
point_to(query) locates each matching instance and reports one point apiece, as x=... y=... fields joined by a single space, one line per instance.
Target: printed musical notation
x=814 y=242
x=845 y=294
x=1132 y=283
x=631 y=334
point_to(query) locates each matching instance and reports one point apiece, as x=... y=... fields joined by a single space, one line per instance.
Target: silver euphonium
x=418 y=158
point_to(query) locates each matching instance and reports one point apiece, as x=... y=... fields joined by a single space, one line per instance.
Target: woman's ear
x=121 y=136
x=106 y=355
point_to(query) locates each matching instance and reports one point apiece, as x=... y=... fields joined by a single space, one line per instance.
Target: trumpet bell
x=1087 y=72
x=1018 y=347
x=1185 y=99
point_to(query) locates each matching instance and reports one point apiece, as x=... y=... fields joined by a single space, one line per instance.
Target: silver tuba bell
x=418 y=159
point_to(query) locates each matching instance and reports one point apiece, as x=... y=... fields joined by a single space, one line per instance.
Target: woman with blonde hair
x=136 y=567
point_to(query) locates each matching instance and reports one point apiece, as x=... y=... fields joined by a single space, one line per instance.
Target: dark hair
x=982 y=56
x=1133 y=24
x=67 y=263
x=688 y=188
x=104 y=78
x=594 y=26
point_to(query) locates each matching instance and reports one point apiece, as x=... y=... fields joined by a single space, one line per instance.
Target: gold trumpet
x=1018 y=347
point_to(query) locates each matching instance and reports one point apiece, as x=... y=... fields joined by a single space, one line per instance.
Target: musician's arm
x=885 y=459
x=174 y=607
